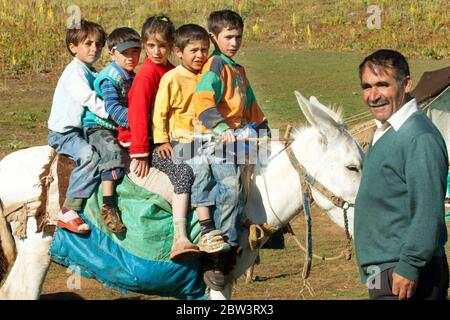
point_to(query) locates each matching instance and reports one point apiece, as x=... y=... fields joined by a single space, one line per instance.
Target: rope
x=358 y=117
x=362 y=114
x=345 y=253
x=306 y=285
x=364 y=129
x=268 y=200
x=307 y=211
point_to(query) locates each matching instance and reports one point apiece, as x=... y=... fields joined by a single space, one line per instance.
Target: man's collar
x=224 y=57
x=399 y=117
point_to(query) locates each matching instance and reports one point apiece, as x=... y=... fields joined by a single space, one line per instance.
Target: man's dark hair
x=158 y=24
x=219 y=20
x=120 y=35
x=79 y=34
x=189 y=32
x=387 y=59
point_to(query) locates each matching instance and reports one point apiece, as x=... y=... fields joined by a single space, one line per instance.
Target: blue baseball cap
x=121 y=47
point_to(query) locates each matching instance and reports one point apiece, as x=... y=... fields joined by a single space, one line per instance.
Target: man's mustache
x=377 y=103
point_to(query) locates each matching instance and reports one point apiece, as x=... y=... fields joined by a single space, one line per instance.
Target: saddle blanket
x=137 y=260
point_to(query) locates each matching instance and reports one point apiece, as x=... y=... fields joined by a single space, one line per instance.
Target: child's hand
x=228 y=136
x=140 y=167
x=165 y=150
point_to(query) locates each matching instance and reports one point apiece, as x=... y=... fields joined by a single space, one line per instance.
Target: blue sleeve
x=113 y=104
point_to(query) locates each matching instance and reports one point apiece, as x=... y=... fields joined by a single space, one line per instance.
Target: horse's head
x=331 y=156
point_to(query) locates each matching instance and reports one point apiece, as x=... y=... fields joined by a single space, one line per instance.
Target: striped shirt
x=223 y=97
x=116 y=99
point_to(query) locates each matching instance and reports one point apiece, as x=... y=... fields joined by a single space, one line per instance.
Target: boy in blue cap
x=113 y=84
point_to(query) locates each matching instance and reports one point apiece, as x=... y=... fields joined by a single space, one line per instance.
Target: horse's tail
x=7 y=245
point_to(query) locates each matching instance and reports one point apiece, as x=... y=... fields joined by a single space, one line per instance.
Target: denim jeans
x=230 y=196
x=85 y=177
x=203 y=191
x=230 y=200
x=217 y=180
x=112 y=155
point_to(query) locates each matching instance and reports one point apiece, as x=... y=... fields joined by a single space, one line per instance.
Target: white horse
x=325 y=149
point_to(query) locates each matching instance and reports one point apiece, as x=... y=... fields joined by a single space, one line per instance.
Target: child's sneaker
x=213 y=242
x=111 y=219
x=70 y=220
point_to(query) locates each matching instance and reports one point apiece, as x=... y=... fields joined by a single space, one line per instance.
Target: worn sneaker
x=213 y=242
x=111 y=219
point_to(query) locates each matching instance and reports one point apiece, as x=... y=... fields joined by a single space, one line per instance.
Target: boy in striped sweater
x=224 y=103
x=113 y=84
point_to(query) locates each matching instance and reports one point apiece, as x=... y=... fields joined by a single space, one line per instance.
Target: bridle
x=307 y=182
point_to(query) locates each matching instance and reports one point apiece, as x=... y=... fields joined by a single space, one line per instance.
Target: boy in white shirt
x=73 y=93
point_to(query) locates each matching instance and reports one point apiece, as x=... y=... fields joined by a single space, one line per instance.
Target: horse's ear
x=317 y=114
x=306 y=108
x=316 y=103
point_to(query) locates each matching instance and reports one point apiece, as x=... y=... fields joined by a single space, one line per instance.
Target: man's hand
x=403 y=287
x=228 y=136
x=140 y=166
x=165 y=150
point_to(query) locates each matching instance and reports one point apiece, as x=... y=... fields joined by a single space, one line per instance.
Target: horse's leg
x=243 y=262
x=225 y=294
x=28 y=272
x=250 y=271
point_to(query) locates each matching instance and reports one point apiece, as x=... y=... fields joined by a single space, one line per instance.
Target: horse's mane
x=337 y=114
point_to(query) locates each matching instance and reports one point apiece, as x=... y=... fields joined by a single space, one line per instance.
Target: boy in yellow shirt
x=173 y=125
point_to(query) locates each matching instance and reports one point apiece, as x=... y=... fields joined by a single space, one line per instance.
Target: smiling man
x=400 y=230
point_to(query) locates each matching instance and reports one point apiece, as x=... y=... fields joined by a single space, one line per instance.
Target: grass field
x=417 y=28
x=275 y=73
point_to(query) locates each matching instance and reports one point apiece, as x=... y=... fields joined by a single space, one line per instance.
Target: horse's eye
x=352 y=168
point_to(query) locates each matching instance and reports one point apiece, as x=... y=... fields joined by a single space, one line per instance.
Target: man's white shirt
x=396 y=120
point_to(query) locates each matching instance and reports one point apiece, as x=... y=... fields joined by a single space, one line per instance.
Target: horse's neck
x=277 y=196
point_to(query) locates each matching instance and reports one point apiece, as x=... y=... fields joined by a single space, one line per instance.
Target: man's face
x=382 y=93
x=229 y=41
